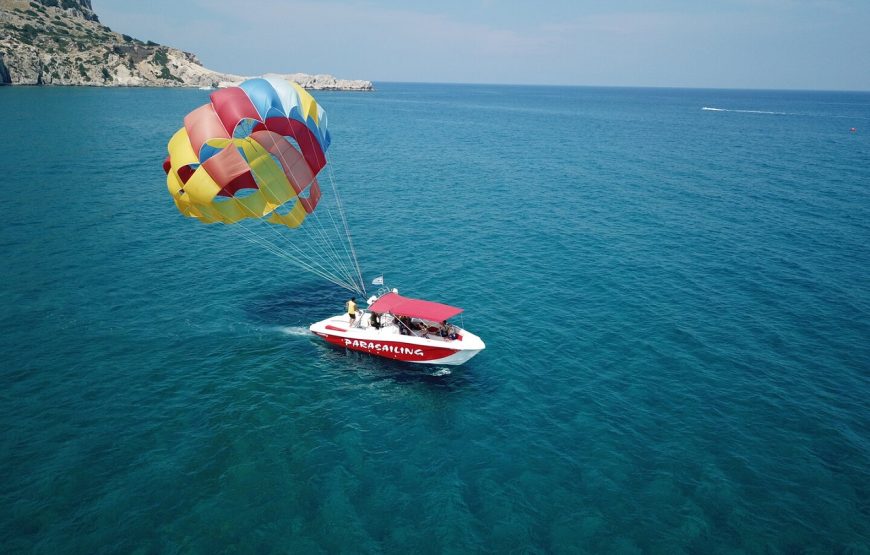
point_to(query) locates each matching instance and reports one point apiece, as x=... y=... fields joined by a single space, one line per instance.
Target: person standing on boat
x=351 y=309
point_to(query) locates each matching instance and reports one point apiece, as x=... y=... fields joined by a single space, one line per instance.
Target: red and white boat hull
x=387 y=342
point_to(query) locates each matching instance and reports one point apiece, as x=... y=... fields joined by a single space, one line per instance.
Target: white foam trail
x=710 y=109
x=297 y=331
x=807 y=115
x=441 y=372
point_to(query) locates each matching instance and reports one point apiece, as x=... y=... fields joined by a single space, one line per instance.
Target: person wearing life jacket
x=351 y=309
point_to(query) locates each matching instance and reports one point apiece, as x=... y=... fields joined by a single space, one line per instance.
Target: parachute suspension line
x=301 y=262
x=349 y=254
x=346 y=227
x=258 y=240
x=281 y=254
x=298 y=252
x=352 y=253
x=318 y=234
x=339 y=233
x=317 y=237
x=254 y=238
x=326 y=248
x=321 y=227
x=302 y=259
x=324 y=264
x=306 y=261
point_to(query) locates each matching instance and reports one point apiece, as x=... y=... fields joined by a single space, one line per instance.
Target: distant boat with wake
x=712 y=109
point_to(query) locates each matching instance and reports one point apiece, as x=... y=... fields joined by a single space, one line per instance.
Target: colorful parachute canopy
x=254 y=151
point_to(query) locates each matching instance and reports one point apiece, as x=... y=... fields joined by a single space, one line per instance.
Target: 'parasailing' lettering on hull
x=381 y=348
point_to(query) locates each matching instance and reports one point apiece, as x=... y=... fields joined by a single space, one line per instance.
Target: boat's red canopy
x=415 y=308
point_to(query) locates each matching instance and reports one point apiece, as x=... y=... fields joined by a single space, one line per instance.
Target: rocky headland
x=62 y=42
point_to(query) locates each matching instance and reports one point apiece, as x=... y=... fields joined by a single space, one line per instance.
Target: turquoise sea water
x=675 y=302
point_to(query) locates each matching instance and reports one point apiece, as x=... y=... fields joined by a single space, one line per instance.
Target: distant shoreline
x=45 y=43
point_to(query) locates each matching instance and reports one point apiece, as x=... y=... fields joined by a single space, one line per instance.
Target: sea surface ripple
x=675 y=302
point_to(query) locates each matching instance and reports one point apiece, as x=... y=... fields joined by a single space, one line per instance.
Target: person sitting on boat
x=375 y=320
x=351 y=309
x=447 y=331
x=404 y=325
x=420 y=328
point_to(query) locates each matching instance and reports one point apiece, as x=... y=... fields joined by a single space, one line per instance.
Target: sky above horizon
x=759 y=44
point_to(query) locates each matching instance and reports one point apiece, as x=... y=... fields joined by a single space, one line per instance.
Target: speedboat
x=402 y=328
x=253 y=155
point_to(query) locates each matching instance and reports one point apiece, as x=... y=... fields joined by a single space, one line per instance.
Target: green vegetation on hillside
x=160 y=57
x=28 y=34
x=64 y=42
x=166 y=74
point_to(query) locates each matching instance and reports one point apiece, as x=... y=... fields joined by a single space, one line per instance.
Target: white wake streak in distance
x=710 y=109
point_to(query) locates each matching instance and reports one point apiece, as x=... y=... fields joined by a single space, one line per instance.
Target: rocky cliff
x=61 y=42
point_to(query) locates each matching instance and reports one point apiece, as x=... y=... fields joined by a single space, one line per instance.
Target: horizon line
x=670 y=87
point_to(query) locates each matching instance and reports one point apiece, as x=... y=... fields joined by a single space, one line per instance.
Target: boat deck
x=362 y=323
x=424 y=347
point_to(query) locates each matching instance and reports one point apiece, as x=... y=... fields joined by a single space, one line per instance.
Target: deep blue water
x=675 y=301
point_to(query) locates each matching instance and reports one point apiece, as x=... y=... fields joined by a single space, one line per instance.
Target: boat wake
x=771 y=113
x=711 y=109
x=297 y=331
x=441 y=372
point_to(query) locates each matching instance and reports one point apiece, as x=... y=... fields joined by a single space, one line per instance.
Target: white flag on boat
x=378 y=280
